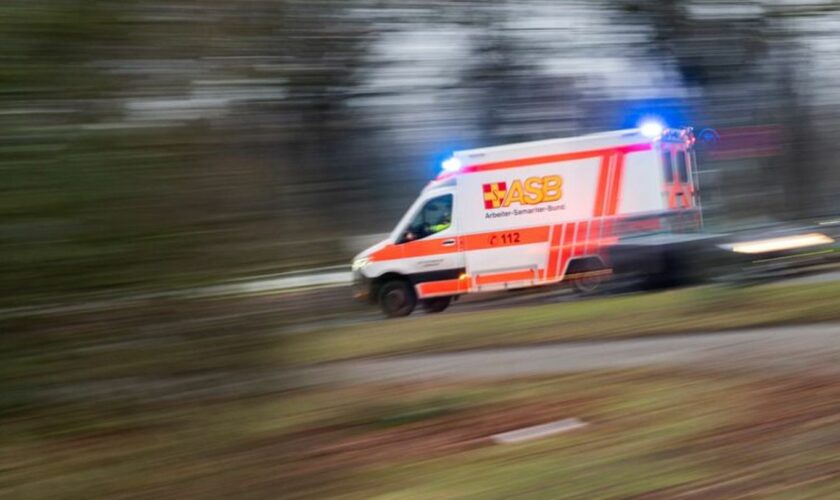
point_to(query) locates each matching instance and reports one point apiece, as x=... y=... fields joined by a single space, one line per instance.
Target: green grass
x=689 y=310
x=650 y=432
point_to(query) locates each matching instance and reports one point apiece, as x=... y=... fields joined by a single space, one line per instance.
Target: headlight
x=360 y=263
x=783 y=243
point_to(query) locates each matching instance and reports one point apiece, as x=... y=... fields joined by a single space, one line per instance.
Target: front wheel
x=437 y=304
x=397 y=298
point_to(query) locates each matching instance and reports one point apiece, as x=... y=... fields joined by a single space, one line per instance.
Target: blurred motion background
x=158 y=143
x=150 y=146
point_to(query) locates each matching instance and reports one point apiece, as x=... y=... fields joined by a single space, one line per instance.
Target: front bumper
x=361 y=287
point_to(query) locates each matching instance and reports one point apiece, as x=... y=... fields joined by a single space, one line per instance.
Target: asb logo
x=494 y=194
x=531 y=191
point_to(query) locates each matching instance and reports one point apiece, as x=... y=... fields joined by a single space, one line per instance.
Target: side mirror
x=408 y=236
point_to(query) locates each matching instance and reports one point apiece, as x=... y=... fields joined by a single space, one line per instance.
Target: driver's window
x=434 y=217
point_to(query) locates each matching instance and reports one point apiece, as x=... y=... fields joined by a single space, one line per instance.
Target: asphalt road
x=813 y=348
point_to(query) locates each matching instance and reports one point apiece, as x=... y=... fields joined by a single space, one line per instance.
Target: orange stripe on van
x=478 y=241
x=562 y=242
x=525 y=275
x=509 y=237
x=443 y=287
x=419 y=248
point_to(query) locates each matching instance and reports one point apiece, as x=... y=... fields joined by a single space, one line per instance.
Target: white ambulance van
x=529 y=214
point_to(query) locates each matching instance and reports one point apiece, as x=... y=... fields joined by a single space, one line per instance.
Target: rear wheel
x=436 y=305
x=587 y=275
x=397 y=298
x=588 y=285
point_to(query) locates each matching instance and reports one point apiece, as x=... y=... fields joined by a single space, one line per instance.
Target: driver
x=435 y=218
x=443 y=222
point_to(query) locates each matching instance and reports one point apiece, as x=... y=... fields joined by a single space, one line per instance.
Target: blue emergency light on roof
x=451 y=164
x=651 y=128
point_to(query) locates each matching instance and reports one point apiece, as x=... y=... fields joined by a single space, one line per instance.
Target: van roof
x=576 y=143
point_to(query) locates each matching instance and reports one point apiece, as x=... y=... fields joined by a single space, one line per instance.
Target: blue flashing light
x=651 y=128
x=451 y=164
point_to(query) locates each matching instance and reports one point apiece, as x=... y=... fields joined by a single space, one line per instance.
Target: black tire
x=397 y=298
x=590 y=277
x=436 y=305
x=588 y=285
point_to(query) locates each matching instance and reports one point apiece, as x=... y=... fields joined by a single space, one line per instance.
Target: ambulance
x=529 y=214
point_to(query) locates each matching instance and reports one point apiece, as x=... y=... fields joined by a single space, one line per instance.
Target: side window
x=666 y=164
x=682 y=167
x=434 y=217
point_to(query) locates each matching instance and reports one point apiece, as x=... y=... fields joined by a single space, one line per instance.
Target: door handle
x=448 y=243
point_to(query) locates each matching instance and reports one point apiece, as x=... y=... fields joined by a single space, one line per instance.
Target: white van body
x=524 y=214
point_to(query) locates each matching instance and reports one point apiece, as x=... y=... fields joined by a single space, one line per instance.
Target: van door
x=680 y=187
x=429 y=240
x=679 y=181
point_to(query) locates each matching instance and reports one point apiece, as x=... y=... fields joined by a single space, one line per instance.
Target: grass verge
x=662 y=434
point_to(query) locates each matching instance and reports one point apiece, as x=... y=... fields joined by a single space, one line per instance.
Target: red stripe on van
x=580 y=240
x=554 y=251
x=540 y=160
x=601 y=191
x=615 y=188
x=566 y=250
